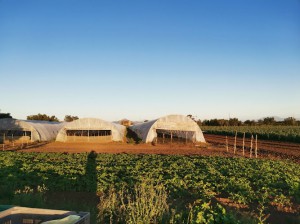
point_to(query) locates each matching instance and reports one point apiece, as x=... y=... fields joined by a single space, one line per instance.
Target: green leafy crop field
x=258 y=184
x=267 y=132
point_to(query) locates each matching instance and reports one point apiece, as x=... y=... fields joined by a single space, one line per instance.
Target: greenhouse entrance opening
x=174 y=136
x=89 y=136
x=15 y=136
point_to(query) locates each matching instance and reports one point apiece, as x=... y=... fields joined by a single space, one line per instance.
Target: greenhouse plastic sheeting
x=147 y=130
x=40 y=130
x=117 y=130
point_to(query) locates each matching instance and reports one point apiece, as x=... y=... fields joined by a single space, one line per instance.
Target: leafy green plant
x=206 y=213
x=185 y=178
x=262 y=207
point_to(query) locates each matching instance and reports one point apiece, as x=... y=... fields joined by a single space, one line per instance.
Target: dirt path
x=171 y=149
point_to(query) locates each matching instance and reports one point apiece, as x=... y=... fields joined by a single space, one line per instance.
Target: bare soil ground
x=215 y=147
x=170 y=149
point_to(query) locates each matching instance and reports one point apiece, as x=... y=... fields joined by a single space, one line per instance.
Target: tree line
x=42 y=117
x=212 y=122
x=236 y=122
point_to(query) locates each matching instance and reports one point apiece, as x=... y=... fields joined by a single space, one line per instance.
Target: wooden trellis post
x=226 y=143
x=244 y=144
x=255 y=146
x=234 y=147
x=251 y=145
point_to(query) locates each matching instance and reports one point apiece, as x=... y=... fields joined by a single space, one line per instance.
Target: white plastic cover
x=40 y=130
x=117 y=130
x=147 y=131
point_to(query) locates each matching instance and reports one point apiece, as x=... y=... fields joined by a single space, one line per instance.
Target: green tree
x=250 y=122
x=205 y=122
x=234 y=122
x=269 y=121
x=199 y=122
x=5 y=115
x=223 y=122
x=290 y=121
x=214 y=122
x=69 y=118
x=42 y=117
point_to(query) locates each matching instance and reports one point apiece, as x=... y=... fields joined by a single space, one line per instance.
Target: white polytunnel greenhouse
x=91 y=130
x=13 y=130
x=171 y=128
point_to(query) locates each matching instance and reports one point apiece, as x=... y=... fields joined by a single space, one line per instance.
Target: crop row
x=278 y=133
x=240 y=179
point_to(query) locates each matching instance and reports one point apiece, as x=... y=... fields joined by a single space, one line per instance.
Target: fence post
x=251 y=145
x=255 y=146
x=226 y=143
x=234 y=147
x=244 y=144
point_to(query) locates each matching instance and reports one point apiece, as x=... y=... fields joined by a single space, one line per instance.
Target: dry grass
x=147 y=203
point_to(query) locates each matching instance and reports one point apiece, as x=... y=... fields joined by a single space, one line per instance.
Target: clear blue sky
x=144 y=59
